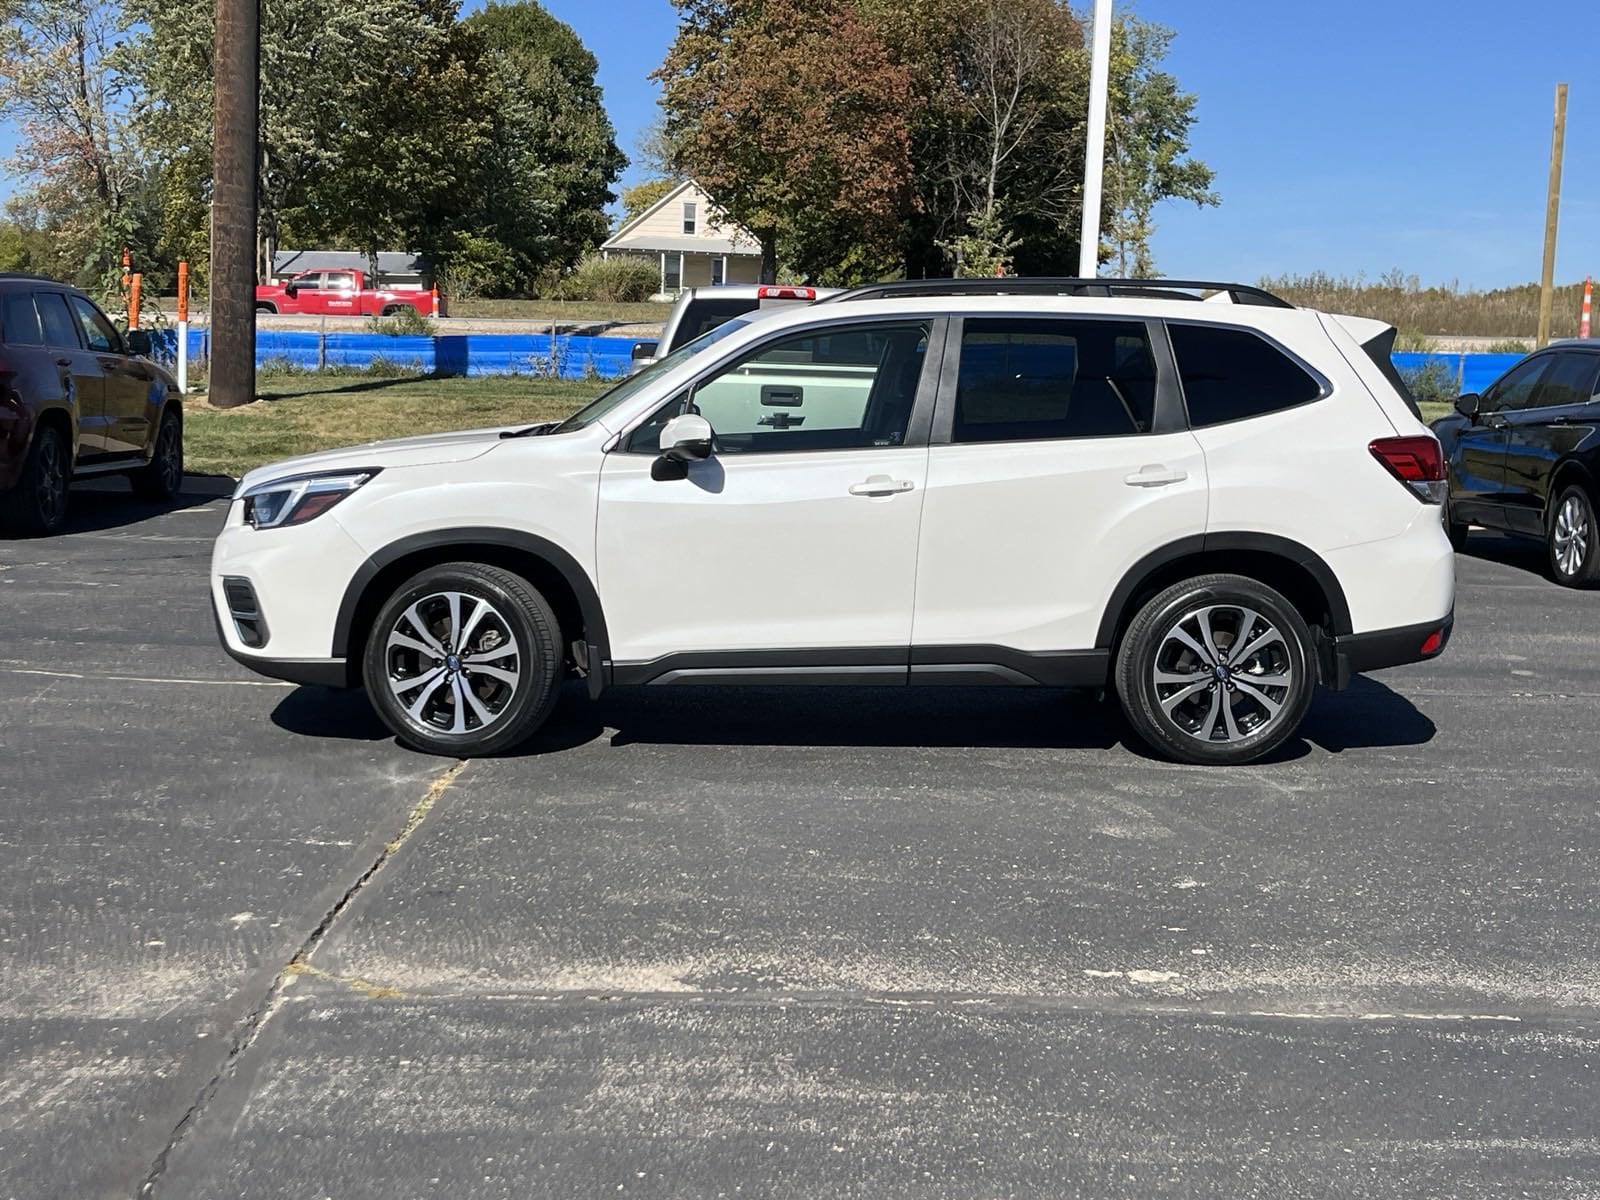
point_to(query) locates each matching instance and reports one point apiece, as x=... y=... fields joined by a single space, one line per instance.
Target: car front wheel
x=1216 y=670
x=1573 y=539
x=464 y=660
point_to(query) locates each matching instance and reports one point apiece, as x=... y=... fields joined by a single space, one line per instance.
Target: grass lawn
x=646 y=311
x=1432 y=412
x=298 y=414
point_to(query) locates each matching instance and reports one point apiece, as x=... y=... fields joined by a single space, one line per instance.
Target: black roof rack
x=1023 y=285
x=26 y=276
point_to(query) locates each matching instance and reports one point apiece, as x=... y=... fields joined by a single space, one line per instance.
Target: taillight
x=1416 y=462
x=770 y=292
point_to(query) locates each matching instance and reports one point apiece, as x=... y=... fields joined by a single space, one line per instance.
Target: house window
x=671 y=272
x=718 y=271
x=688 y=216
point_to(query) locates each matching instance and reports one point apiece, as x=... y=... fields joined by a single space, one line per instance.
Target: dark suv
x=1525 y=457
x=77 y=398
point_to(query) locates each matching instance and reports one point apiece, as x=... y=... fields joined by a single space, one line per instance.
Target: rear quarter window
x=1232 y=374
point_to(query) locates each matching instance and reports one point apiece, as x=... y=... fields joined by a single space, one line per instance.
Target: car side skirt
x=958 y=666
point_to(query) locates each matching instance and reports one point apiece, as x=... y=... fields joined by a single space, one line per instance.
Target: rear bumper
x=1357 y=653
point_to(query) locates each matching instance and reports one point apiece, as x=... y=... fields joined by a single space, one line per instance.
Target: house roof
x=740 y=241
x=390 y=262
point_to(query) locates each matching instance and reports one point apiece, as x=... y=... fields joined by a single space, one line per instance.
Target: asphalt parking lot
x=782 y=943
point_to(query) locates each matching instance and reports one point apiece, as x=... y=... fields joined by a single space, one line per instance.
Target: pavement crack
x=253 y=1022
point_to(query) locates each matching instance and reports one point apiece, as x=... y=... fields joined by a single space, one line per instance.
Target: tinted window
x=19 y=324
x=1516 y=388
x=59 y=327
x=311 y=280
x=1030 y=380
x=702 y=316
x=843 y=389
x=97 y=331
x=1570 y=381
x=1230 y=374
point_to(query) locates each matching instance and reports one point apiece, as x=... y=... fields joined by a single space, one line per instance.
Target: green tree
x=1147 y=159
x=793 y=116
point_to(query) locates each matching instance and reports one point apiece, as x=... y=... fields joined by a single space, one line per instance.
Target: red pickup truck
x=340 y=294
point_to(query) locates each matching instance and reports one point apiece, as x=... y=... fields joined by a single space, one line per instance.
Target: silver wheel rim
x=1571 y=535
x=453 y=663
x=52 y=494
x=1223 y=673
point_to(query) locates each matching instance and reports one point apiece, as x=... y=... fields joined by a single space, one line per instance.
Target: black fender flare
x=561 y=561
x=1210 y=543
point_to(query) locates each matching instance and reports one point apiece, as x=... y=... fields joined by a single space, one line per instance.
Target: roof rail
x=1023 y=285
x=25 y=275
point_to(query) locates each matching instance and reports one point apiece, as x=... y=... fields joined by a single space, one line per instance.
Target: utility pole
x=1094 y=151
x=233 y=207
x=1552 y=216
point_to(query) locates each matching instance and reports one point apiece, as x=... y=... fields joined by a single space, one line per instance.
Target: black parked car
x=78 y=397
x=1524 y=457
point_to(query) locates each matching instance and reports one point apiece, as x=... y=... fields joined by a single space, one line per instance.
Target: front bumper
x=1357 y=653
x=321 y=672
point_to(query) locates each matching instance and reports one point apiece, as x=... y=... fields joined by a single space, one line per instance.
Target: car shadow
x=362 y=385
x=99 y=504
x=1524 y=554
x=1367 y=715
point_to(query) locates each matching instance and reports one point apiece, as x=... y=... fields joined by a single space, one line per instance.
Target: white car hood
x=421 y=451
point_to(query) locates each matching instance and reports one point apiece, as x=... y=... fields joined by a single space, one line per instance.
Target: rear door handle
x=880 y=485
x=1155 y=475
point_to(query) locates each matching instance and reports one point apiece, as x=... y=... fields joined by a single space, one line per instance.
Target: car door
x=309 y=296
x=1540 y=435
x=82 y=379
x=125 y=382
x=793 y=547
x=1478 y=492
x=1059 y=458
x=339 y=296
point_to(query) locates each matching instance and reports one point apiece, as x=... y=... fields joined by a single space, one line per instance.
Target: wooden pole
x=235 y=53
x=1552 y=216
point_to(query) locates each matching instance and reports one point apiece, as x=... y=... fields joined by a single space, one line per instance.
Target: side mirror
x=138 y=342
x=643 y=351
x=1467 y=405
x=686 y=439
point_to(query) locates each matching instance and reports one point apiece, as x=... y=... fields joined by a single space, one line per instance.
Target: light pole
x=1094 y=152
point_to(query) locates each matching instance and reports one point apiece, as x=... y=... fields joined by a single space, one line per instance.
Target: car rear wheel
x=464 y=660
x=1216 y=670
x=162 y=478
x=1573 y=539
x=37 y=504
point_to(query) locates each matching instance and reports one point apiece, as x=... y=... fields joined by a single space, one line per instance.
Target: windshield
x=634 y=384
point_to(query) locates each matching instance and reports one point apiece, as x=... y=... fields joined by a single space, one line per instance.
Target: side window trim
x=1324 y=385
x=922 y=407
x=1169 y=415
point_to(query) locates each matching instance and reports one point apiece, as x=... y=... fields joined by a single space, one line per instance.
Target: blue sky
x=1411 y=134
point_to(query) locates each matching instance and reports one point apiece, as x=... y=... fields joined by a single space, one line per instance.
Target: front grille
x=245 y=611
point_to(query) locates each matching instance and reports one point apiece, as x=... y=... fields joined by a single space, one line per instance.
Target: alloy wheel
x=1223 y=673
x=453 y=663
x=52 y=483
x=1571 y=535
x=169 y=456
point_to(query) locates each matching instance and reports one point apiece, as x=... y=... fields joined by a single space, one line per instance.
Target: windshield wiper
x=530 y=431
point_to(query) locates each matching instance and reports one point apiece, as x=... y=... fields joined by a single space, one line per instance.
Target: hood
x=421 y=451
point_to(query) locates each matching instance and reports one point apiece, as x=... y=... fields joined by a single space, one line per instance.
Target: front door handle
x=1155 y=475
x=880 y=485
x=63 y=362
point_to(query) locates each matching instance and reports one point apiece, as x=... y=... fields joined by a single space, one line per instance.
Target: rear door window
x=19 y=323
x=55 y=318
x=1232 y=374
x=1571 y=380
x=1027 y=380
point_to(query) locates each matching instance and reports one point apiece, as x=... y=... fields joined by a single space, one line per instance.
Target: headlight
x=295 y=501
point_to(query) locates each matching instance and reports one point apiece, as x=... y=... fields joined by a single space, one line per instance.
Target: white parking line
x=271 y=683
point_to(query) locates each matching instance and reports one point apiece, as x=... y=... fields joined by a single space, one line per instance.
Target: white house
x=694 y=245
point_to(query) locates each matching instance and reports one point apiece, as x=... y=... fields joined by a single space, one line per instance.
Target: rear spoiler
x=1377 y=339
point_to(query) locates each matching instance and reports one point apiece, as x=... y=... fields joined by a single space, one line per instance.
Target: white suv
x=1210 y=507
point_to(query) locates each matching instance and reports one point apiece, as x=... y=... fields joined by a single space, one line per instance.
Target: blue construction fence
x=574 y=356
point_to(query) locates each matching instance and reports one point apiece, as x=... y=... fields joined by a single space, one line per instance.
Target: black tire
x=1181 y=718
x=426 y=719
x=162 y=477
x=37 y=504
x=1572 y=538
x=270 y=310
